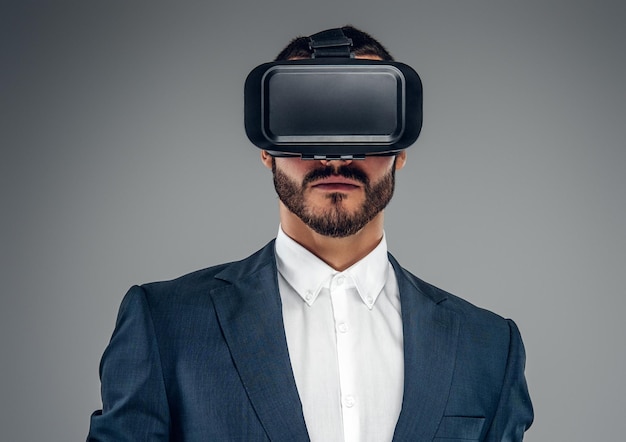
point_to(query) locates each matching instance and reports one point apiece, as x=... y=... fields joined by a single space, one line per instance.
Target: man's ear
x=400 y=159
x=266 y=159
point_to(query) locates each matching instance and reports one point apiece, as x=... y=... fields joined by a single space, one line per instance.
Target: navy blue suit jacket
x=204 y=358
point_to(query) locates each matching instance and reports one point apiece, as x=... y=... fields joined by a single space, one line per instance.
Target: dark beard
x=335 y=222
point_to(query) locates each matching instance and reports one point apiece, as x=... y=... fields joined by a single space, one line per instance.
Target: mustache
x=343 y=171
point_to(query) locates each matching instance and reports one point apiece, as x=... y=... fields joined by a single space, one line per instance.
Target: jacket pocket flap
x=460 y=427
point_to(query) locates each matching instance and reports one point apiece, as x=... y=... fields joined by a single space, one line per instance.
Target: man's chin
x=335 y=201
x=334 y=211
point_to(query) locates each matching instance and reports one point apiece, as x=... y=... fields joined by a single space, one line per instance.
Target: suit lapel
x=250 y=316
x=430 y=341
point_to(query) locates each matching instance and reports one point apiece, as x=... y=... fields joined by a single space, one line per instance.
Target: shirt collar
x=308 y=275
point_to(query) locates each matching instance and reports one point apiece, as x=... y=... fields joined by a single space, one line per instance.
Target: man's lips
x=335 y=183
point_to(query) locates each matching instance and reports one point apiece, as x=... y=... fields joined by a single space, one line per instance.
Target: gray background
x=124 y=160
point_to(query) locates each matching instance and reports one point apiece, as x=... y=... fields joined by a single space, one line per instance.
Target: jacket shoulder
x=470 y=313
x=200 y=282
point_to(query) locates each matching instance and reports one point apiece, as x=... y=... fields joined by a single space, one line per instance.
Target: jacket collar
x=250 y=316
x=430 y=347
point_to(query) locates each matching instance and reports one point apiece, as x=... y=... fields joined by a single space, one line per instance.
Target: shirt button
x=349 y=401
x=342 y=327
x=340 y=280
x=308 y=295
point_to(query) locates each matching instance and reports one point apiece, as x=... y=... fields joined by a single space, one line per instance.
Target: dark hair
x=362 y=44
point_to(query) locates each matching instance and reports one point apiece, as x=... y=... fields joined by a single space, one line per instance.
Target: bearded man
x=321 y=335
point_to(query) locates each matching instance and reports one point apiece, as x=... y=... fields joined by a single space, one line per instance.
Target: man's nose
x=335 y=162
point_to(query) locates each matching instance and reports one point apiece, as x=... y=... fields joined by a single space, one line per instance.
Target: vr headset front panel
x=331 y=107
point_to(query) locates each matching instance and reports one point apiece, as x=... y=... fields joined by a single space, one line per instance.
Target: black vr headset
x=333 y=106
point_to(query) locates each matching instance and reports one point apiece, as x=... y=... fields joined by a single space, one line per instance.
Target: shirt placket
x=340 y=291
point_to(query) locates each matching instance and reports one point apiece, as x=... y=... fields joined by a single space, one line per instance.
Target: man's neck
x=339 y=253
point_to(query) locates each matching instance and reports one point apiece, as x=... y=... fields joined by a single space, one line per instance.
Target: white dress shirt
x=344 y=334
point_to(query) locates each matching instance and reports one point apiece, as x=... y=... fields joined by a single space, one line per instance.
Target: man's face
x=335 y=198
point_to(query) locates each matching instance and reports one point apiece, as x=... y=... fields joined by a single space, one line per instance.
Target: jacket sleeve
x=514 y=414
x=134 y=402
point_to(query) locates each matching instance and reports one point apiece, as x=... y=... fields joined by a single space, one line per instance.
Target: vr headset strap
x=331 y=43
